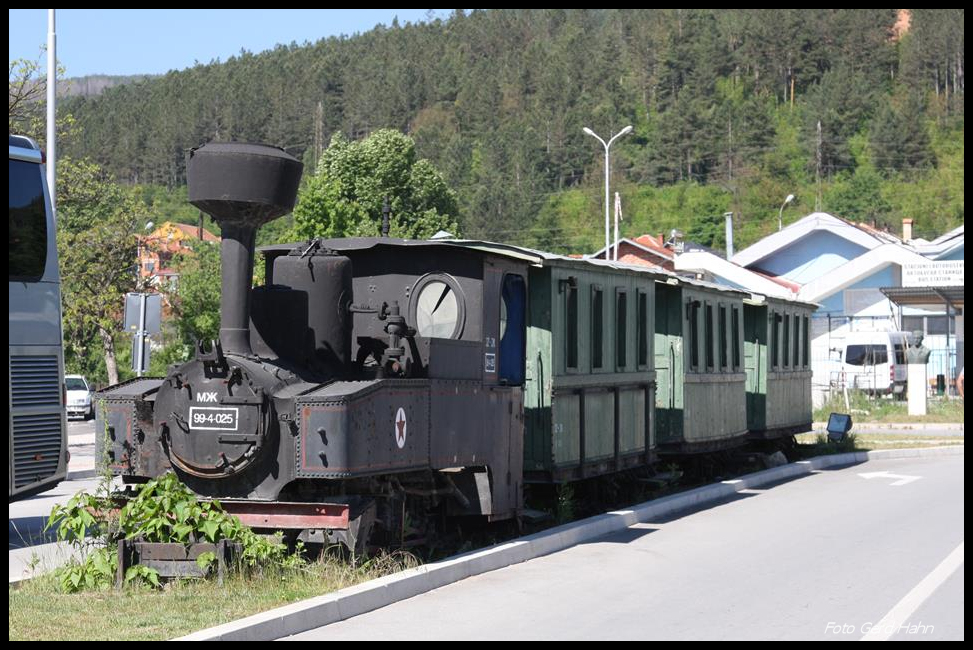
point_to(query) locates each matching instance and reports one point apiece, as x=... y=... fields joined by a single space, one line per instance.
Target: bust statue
x=917 y=352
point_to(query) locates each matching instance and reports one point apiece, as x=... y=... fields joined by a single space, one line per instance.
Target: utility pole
x=618 y=217
x=817 y=198
x=318 y=132
x=51 y=99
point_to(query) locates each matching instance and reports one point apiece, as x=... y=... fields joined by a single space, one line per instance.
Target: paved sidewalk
x=82 y=450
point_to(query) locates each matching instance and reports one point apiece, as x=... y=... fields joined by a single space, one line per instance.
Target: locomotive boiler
x=368 y=385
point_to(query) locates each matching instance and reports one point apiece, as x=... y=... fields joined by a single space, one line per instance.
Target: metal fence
x=832 y=377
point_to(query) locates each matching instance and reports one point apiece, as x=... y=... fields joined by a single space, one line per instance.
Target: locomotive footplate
x=284 y=515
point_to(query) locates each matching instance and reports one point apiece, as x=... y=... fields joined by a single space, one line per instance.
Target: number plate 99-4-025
x=210 y=418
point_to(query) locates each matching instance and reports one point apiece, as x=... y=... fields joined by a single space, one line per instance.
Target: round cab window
x=439 y=308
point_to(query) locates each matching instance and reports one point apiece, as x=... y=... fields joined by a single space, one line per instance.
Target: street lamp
x=627 y=129
x=780 y=215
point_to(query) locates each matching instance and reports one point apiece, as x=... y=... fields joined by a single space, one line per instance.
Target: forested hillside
x=858 y=112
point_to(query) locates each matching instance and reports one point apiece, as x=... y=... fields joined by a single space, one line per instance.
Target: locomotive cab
x=433 y=392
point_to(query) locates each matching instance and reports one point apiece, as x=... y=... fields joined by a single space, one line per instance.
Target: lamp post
x=51 y=109
x=780 y=214
x=627 y=129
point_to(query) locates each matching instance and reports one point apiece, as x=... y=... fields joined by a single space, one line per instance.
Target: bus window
x=27 y=222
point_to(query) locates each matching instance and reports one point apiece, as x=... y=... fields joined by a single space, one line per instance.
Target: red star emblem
x=400 y=430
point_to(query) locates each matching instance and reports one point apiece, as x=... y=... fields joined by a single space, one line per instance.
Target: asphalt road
x=28 y=542
x=28 y=516
x=834 y=556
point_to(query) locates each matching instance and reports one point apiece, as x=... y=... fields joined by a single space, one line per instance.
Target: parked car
x=875 y=361
x=80 y=398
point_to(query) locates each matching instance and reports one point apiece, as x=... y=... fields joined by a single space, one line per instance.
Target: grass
x=38 y=611
x=865 y=408
x=815 y=444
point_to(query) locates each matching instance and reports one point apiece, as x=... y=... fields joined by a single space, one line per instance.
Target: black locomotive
x=332 y=399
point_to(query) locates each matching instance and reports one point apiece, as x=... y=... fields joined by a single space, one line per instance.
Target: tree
x=196 y=299
x=858 y=197
x=26 y=103
x=346 y=195
x=900 y=138
x=496 y=100
x=97 y=242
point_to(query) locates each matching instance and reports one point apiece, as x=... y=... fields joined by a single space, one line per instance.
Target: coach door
x=513 y=329
x=668 y=363
x=755 y=327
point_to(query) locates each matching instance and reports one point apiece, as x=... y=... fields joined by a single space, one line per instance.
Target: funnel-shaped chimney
x=242 y=186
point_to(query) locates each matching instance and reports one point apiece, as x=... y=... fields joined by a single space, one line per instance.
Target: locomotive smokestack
x=242 y=186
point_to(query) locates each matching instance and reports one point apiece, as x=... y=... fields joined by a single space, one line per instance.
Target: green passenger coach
x=589 y=391
x=701 y=397
x=778 y=366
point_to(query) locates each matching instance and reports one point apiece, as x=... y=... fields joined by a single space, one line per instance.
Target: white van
x=875 y=361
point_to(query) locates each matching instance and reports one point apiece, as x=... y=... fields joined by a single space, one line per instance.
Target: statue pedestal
x=917 y=388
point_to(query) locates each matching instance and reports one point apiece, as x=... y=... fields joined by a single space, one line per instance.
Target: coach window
x=787 y=341
x=807 y=344
x=708 y=337
x=643 y=329
x=621 y=328
x=797 y=341
x=694 y=335
x=571 y=325
x=597 y=327
x=775 y=339
x=513 y=329
x=735 y=334
x=722 y=331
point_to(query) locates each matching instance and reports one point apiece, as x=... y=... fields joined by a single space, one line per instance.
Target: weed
x=163 y=511
x=566 y=506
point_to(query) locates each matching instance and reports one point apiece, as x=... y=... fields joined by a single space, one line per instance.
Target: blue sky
x=154 y=41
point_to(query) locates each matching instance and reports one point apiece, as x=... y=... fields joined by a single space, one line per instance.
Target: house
x=855 y=273
x=646 y=250
x=157 y=249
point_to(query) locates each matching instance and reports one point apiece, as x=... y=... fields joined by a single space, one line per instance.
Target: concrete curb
x=331 y=608
x=81 y=474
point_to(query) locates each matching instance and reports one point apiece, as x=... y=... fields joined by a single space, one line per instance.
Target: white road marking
x=903 y=480
x=893 y=621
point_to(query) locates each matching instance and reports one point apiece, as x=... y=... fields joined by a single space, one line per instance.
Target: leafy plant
x=565 y=510
x=163 y=511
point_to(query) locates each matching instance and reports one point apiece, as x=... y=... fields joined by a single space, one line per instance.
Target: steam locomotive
x=375 y=384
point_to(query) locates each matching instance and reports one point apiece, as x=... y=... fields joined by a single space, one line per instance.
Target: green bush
x=163 y=511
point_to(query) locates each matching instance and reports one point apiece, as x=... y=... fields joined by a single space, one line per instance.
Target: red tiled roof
x=635 y=260
x=656 y=244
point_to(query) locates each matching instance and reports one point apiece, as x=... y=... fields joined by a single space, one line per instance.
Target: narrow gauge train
x=372 y=386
